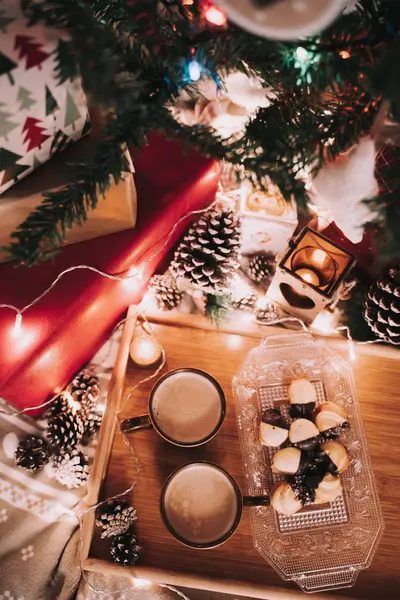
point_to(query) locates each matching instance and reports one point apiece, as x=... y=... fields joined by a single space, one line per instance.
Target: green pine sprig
x=132 y=56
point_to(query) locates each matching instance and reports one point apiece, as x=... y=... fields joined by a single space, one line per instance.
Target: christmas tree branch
x=133 y=60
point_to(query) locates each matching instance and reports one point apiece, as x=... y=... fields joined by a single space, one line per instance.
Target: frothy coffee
x=200 y=504
x=186 y=407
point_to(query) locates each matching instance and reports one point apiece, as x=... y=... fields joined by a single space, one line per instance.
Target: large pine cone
x=382 y=307
x=209 y=254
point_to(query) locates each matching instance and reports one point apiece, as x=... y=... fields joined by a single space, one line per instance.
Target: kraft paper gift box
x=115 y=212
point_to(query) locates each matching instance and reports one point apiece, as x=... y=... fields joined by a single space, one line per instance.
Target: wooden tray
x=235 y=567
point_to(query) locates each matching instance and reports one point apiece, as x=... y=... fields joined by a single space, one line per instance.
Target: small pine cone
x=32 y=453
x=71 y=468
x=115 y=517
x=85 y=384
x=261 y=268
x=86 y=389
x=267 y=311
x=60 y=404
x=125 y=550
x=65 y=430
x=92 y=426
x=165 y=291
x=246 y=303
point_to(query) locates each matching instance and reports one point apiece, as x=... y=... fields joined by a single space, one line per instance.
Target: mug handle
x=136 y=424
x=251 y=501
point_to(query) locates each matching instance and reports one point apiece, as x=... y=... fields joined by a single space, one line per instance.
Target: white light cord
x=123 y=275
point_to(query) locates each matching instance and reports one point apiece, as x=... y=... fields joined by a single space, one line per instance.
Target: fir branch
x=133 y=61
x=39 y=236
x=217 y=307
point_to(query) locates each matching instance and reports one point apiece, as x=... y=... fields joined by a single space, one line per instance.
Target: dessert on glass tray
x=308 y=454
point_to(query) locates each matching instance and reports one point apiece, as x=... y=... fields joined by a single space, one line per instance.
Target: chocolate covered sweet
x=302 y=397
x=331 y=419
x=303 y=434
x=337 y=459
x=273 y=429
x=291 y=461
x=328 y=490
x=283 y=499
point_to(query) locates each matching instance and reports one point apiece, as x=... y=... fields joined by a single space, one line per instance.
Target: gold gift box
x=115 y=212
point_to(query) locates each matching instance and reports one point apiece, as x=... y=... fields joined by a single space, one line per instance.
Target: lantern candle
x=308 y=276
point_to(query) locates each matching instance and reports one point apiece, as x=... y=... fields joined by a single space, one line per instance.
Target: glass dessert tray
x=322 y=547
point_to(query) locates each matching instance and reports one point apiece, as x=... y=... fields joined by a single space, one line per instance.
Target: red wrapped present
x=62 y=331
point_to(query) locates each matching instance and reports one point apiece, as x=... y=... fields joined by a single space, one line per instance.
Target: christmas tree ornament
x=382 y=306
x=208 y=256
x=115 y=517
x=165 y=292
x=32 y=453
x=309 y=276
x=125 y=550
x=71 y=468
x=65 y=430
x=339 y=188
x=282 y=19
x=261 y=268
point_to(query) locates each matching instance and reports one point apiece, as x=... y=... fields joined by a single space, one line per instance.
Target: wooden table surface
x=377 y=379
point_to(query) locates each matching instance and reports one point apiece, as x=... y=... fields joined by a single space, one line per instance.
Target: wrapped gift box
x=115 y=212
x=63 y=331
x=41 y=110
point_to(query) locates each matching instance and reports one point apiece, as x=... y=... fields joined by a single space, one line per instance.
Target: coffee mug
x=186 y=407
x=201 y=504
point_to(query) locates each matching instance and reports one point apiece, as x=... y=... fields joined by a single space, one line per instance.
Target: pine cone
x=85 y=388
x=71 y=468
x=92 y=426
x=60 y=404
x=125 y=550
x=382 y=307
x=209 y=254
x=246 y=303
x=32 y=453
x=261 y=268
x=115 y=517
x=65 y=430
x=165 y=291
x=267 y=312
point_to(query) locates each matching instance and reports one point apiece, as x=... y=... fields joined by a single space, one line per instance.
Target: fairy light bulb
x=145 y=349
x=215 y=16
x=18 y=323
x=141 y=583
x=303 y=56
x=194 y=70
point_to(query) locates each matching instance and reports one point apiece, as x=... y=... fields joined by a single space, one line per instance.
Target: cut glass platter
x=321 y=547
